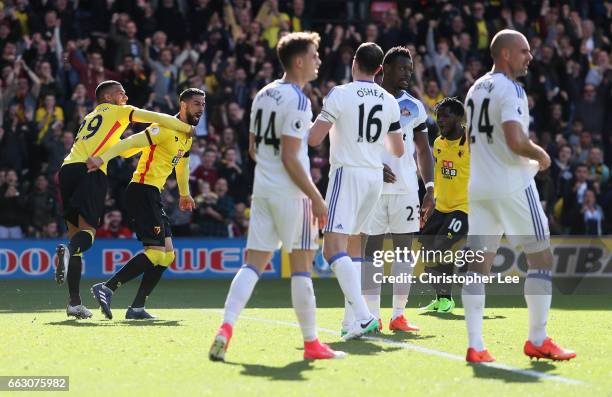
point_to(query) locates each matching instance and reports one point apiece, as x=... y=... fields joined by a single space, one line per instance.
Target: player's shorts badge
x=156 y=229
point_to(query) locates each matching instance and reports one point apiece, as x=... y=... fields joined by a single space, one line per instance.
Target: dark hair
x=369 y=57
x=103 y=87
x=295 y=44
x=453 y=104
x=395 y=53
x=189 y=93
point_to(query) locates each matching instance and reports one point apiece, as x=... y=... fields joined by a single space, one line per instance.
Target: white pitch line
x=425 y=350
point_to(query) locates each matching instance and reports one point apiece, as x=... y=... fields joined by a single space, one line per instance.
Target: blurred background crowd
x=53 y=53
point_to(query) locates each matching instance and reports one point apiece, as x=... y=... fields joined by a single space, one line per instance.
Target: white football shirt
x=279 y=108
x=495 y=170
x=362 y=113
x=412 y=114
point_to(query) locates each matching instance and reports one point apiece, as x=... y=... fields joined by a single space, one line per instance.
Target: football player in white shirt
x=286 y=207
x=398 y=211
x=503 y=198
x=363 y=117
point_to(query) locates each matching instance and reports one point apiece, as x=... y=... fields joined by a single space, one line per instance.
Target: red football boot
x=221 y=342
x=401 y=324
x=474 y=356
x=549 y=349
x=315 y=350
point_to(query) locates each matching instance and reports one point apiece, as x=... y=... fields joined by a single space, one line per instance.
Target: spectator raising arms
x=54 y=53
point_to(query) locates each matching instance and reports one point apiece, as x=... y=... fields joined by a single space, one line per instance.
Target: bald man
x=503 y=198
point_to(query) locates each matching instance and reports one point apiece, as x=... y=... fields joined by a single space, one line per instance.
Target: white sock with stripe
x=304 y=304
x=240 y=292
x=473 y=297
x=349 y=318
x=350 y=283
x=400 y=290
x=538 y=295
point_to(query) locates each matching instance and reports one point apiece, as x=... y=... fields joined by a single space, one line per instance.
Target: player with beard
x=83 y=192
x=162 y=151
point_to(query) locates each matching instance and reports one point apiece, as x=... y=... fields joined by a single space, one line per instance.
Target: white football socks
x=304 y=304
x=350 y=283
x=239 y=293
x=400 y=290
x=349 y=318
x=538 y=295
x=473 y=297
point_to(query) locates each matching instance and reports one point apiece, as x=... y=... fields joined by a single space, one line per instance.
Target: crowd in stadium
x=53 y=53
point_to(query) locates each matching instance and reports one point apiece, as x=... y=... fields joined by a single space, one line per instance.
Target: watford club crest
x=156 y=229
x=460 y=153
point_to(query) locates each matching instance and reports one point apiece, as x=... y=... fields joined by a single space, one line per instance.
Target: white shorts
x=351 y=196
x=520 y=217
x=396 y=213
x=285 y=221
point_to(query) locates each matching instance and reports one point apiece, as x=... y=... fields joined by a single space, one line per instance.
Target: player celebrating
x=286 y=203
x=361 y=116
x=83 y=193
x=448 y=224
x=398 y=210
x=503 y=197
x=162 y=150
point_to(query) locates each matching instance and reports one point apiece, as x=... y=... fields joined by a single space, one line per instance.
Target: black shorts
x=83 y=193
x=147 y=215
x=443 y=231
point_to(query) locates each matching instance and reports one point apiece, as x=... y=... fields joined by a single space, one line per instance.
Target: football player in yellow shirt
x=83 y=193
x=162 y=150
x=448 y=224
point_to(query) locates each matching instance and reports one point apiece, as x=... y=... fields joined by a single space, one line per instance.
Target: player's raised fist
x=94 y=164
x=186 y=203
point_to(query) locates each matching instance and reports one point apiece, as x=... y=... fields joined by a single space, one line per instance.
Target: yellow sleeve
x=130 y=152
x=139 y=140
x=182 y=176
x=165 y=120
x=40 y=112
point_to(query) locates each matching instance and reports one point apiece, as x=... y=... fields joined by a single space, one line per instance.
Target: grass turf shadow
x=361 y=347
x=291 y=372
x=120 y=323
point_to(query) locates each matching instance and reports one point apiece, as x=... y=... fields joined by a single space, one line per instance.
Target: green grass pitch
x=168 y=356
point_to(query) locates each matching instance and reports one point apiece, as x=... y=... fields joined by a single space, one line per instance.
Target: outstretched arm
x=139 y=140
x=165 y=120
